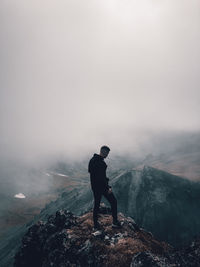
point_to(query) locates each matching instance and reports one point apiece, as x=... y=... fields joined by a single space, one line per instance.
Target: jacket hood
x=97 y=156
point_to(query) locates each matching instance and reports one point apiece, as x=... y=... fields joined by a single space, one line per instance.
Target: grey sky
x=78 y=74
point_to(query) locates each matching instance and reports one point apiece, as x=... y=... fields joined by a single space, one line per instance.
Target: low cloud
x=76 y=75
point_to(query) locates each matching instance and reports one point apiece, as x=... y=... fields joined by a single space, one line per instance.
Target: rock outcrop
x=69 y=240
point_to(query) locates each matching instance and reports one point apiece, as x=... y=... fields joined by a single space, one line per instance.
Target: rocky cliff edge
x=69 y=240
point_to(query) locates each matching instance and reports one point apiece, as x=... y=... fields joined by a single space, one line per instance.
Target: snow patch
x=20 y=195
x=60 y=174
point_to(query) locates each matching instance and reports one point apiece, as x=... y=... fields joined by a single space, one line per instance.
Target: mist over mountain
x=109 y=72
x=177 y=154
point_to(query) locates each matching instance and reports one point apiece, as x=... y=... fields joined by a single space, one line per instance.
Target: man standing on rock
x=99 y=184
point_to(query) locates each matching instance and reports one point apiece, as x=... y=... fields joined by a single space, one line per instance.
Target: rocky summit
x=69 y=240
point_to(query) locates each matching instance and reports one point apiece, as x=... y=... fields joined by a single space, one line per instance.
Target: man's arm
x=107 y=180
x=108 y=187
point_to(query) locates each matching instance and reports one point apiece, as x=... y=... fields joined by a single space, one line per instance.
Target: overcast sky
x=78 y=74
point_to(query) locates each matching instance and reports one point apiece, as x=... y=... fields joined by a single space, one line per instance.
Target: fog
x=76 y=75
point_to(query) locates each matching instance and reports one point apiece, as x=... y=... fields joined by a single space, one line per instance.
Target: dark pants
x=97 y=199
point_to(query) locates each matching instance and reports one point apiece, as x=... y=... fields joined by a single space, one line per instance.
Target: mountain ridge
x=69 y=240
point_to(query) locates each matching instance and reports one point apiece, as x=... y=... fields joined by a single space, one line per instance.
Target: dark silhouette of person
x=99 y=184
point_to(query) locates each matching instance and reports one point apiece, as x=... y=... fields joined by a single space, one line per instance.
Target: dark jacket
x=97 y=169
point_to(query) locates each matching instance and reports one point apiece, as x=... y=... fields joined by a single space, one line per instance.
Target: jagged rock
x=66 y=240
x=64 y=219
x=147 y=259
x=133 y=224
x=86 y=256
x=44 y=237
x=188 y=256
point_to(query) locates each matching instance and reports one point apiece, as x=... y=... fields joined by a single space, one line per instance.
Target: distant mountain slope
x=165 y=204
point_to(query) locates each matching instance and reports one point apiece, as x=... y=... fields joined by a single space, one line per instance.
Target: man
x=99 y=184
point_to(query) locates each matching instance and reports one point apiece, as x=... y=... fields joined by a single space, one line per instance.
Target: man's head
x=104 y=151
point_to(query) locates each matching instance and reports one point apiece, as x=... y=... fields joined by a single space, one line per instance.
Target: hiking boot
x=97 y=226
x=116 y=224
